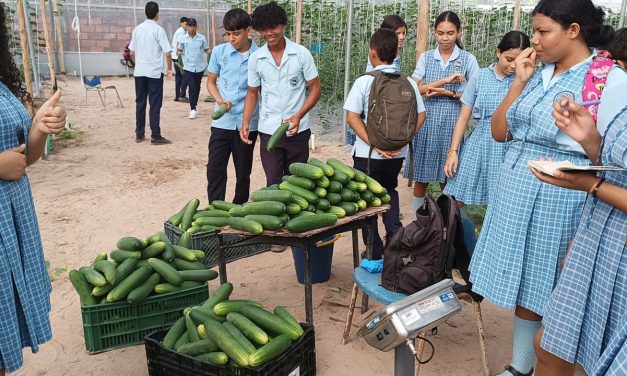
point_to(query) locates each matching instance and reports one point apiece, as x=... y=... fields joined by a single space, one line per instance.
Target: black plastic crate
x=299 y=360
x=208 y=242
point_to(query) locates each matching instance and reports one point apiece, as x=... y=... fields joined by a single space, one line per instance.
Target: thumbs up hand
x=50 y=118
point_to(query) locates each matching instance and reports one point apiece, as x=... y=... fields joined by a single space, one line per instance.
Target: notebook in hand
x=549 y=167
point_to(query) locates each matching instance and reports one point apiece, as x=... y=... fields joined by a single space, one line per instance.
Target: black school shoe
x=139 y=139
x=160 y=141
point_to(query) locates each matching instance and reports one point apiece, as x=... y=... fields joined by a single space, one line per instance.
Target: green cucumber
x=323 y=205
x=92 y=276
x=284 y=314
x=168 y=252
x=284 y=218
x=303 y=213
x=273 y=349
x=129 y=243
x=374 y=186
x=320 y=192
x=222 y=109
x=202 y=346
x=339 y=165
x=99 y=257
x=176 y=219
x=337 y=211
x=122 y=289
x=300 y=202
x=334 y=198
x=165 y=288
x=224 y=308
x=213 y=221
x=376 y=202
x=385 y=199
x=183 y=339
x=185 y=253
x=82 y=288
x=193 y=229
x=150 y=240
x=311 y=222
x=340 y=177
x=153 y=250
x=214 y=213
x=278 y=134
x=361 y=204
x=311 y=208
x=108 y=270
x=360 y=176
x=208 y=228
x=226 y=342
x=239 y=337
x=269 y=222
x=264 y=207
x=347 y=195
x=367 y=196
x=166 y=271
x=125 y=269
x=307 y=195
x=244 y=224
x=269 y=321
x=217 y=358
x=300 y=182
x=248 y=328
x=192 y=330
x=292 y=209
x=141 y=292
x=223 y=205
x=99 y=291
x=328 y=170
x=277 y=196
x=198 y=275
x=222 y=293
x=174 y=333
x=349 y=207
x=355 y=186
x=199 y=315
x=237 y=211
x=190 y=210
x=306 y=170
x=334 y=186
x=323 y=182
x=180 y=264
x=186 y=239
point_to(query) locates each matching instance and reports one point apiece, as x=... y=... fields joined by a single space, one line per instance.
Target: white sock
x=418 y=202
x=523 y=353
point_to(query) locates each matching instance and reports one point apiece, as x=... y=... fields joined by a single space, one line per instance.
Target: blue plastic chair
x=94 y=84
x=370 y=285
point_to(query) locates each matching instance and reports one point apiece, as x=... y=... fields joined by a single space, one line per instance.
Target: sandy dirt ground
x=102 y=186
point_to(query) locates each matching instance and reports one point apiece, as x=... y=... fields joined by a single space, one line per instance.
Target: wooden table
x=366 y=219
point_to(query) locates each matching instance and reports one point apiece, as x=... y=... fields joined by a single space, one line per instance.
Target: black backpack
x=425 y=251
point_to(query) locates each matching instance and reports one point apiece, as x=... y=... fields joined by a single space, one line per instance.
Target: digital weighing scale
x=398 y=324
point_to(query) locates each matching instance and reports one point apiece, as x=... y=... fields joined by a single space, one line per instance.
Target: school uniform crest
x=294 y=81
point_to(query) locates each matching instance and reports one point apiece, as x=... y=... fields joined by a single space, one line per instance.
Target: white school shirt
x=283 y=88
x=150 y=44
x=357 y=102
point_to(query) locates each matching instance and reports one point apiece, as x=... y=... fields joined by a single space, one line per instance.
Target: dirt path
x=105 y=186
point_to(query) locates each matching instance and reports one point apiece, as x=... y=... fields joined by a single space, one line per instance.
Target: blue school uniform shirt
x=194 y=52
x=470 y=95
x=176 y=38
x=613 y=100
x=283 y=88
x=421 y=67
x=150 y=44
x=396 y=63
x=357 y=102
x=231 y=67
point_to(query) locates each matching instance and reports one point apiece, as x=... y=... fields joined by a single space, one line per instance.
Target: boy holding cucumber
x=384 y=165
x=229 y=61
x=282 y=70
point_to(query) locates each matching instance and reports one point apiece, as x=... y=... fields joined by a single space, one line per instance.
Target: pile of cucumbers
x=239 y=333
x=315 y=195
x=139 y=268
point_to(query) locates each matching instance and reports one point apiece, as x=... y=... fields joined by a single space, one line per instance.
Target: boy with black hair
x=179 y=87
x=229 y=62
x=282 y=70
x=192 y=49
x=384 y=165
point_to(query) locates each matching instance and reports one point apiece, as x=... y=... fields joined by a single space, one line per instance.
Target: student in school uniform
x=384 y=165
x=396 y=23
x=227 y=82
x=528 y=226
x=280 y=72
x=585 y=318
x=472 y=171
x=192 y=48
x=179 y=88
x=441 y=74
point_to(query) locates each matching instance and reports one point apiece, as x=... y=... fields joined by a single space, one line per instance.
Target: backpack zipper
x=444 y=232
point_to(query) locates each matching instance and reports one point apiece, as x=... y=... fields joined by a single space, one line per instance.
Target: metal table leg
x=221 y=260
x=308 y=291
x=404 y=360
x=371 y=225
x=355 y=235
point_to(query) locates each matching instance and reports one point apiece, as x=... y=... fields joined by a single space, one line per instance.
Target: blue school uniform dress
x=589 y=305
x=24 y=284
x=480 y=157
x=529 y=223
x=432 y=142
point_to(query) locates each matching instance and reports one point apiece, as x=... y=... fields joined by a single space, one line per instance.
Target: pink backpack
x=595 y=79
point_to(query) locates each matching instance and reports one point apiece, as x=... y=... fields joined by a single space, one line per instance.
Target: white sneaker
x=193 y=114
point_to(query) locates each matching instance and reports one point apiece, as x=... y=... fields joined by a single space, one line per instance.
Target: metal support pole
x=404 y=360
x=347 y=63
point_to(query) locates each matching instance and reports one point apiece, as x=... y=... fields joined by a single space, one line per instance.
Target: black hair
x=385 y=43
x=618 y=46
x=236 y=19
x=452 y=17
x=268 y=16
x=9 y=74
x=583 y=12
x=393 y=22
x=184 y=19
x=151 y=10
x=514 y=39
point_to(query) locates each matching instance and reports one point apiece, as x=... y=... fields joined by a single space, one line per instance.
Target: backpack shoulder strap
x=594 y=81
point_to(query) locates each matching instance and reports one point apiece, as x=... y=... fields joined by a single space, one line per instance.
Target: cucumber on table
x=306 y=170
x=244 y=224
x=356 y=186
x=304 y=204
x=339 y=165
x=212 y=213
x=274 y=195
x=340 y=177
x=334 y=186
x=299 y=181
x=323 y=205
x=334 y=198
x=349 y=207
x=237 y=211
x=311 y=222
x=328 y=170
x=374 y=186
x=347 y=195
x=337 y=211
x=320 y=192
x=264 y=207
x=293 y=209
x=223 y=205
x=360 y=176
x=323 y=182
x=269 y=351
x=271 y=222
x=82 y=288
x=307 y=195
x=278 y=134
x=214 y=221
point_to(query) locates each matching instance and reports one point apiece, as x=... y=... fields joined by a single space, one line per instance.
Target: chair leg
x=484 y=355
x=86 y=97
x=419 y=350
x=351 y=311
x=104 y=106
x=119 y=99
